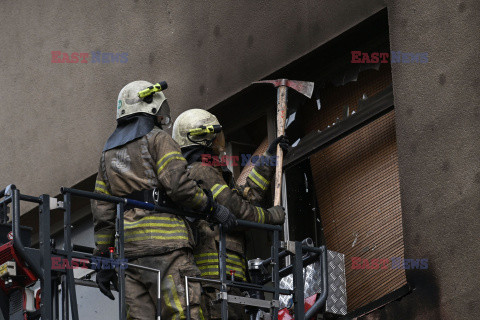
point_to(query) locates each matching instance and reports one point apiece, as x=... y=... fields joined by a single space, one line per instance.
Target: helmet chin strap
x=157 y=123
x=160 y=123
x=208 y=143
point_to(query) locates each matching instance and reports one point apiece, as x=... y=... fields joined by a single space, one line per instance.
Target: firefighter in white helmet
x=139 y=159
x=199 y=134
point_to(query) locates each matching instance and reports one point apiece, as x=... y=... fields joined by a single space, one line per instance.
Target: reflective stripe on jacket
x=225 y=193
x=153 y=160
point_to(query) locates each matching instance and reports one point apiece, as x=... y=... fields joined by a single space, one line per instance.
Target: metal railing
x=39 y=260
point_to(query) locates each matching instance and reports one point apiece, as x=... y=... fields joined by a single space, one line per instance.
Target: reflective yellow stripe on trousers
x=208 y=264
x=170 y=296
x=105 y=237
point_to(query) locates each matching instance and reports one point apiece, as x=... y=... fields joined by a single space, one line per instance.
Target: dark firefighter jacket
x=239 y=200
x=154 y=160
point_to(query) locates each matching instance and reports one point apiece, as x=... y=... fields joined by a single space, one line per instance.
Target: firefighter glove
x=276 y=215
x=282 y=141
x=219 y=213
x=104 y=278
x=222 y=215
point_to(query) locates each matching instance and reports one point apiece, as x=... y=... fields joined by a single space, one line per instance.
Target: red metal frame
x=284 y=314
x=25 y=276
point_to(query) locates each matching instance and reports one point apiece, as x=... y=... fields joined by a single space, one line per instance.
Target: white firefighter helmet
x=130 y=103
x=196 y=127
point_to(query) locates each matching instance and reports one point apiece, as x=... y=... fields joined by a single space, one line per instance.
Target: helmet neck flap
x=131 y=128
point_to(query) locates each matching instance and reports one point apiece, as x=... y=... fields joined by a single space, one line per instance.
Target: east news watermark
x=89 y=57
x=392 y=56
x=95 y=263
x=242 y=160
x=359 y=263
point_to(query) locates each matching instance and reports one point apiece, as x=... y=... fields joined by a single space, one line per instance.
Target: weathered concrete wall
x=55 y=117
x=438 y=129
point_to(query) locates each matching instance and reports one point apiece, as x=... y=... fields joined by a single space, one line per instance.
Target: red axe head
x=304 y=87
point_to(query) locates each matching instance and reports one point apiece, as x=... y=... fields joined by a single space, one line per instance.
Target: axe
x=305 y=88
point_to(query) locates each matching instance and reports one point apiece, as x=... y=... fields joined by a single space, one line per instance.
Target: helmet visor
x=164 y=112
x=218 y=144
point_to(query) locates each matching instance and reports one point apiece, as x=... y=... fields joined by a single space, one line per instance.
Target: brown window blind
x=357 y=188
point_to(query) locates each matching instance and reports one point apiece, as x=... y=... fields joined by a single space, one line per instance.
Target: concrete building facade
x=56 y=116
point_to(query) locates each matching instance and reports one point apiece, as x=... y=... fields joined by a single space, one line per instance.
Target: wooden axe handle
x=281 y=119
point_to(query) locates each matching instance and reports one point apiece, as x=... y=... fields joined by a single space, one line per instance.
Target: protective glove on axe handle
x=303 y=87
